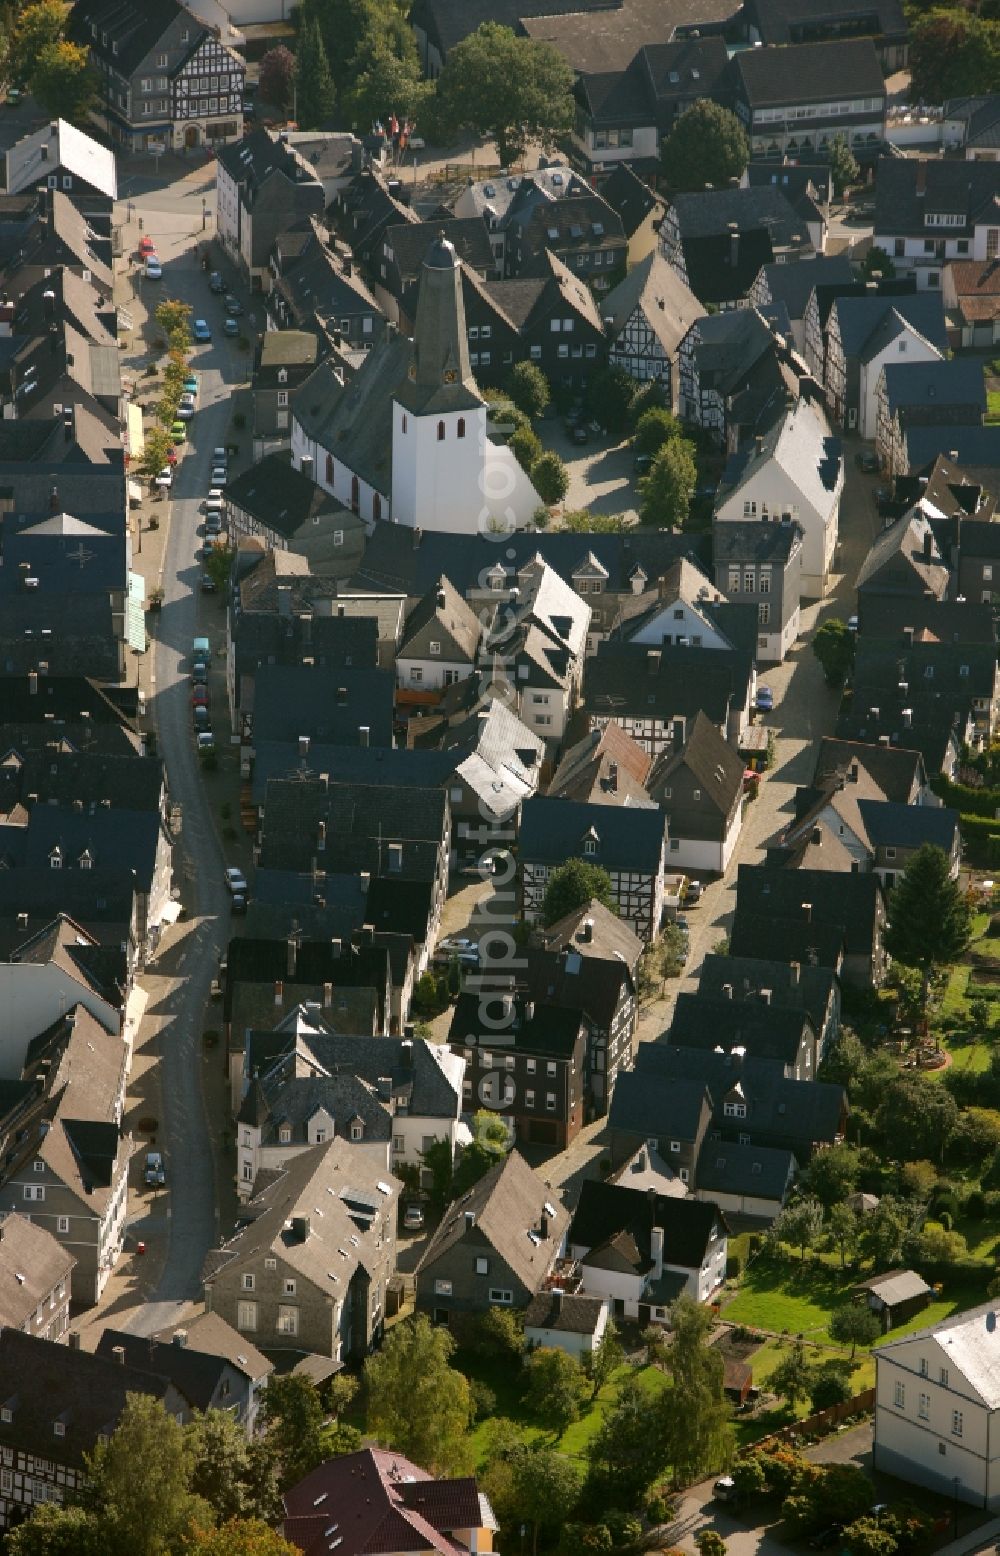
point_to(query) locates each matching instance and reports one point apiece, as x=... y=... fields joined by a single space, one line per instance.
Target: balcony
x=565 y=1275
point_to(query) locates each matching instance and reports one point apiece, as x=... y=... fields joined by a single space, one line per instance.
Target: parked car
x=413 y=1217
x=208 y=584
x=146 y=246
x=179 y=432
x=165 y=477
x=724 y=1489
x=200 y=330
x=199 y=696
x=642 y=464
x=235 y=879
x=765 y=699
x=172 y=456
x=454 y=945
x=693 y=894
x=233 y=306
x=219 y=476
x=220 y=456
x=199 y=672
x=154 y=270
x=155 y=1173
x=186 y=408
x=205 y=740
x=852 y=623
x=199 y=716
x=191 y=384
x=230 y=328
x=215 y=282
x=238 y=903
x=866 y=461
x=580 y=434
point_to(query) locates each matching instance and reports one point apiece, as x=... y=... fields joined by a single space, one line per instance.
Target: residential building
x=283 y=360
x=209 y=1378
x=934 y=393
x=395 y=268
x=589 y=961
x=670 y=1120
x=278 y=503
x=699 y=788
x=35 y=1277
x=791 y=286
x=494 y=1247
x=640 y=209
x=748 y=1180
x=910 y=685
x=59 y=1403
x=970 y=294
x=654 y=693
x=797 y=101
x=815 y=989
x=376 y=1488
x=650 y=313
x=377 y=444
x=526 y=320
x=736 y=371
x=297 y=1280
x=928 y=212
x=969 y=124
x=565 y=1321
x=541 y=642
x=581 y=230
x=761 y=564
x=304 y=1084
x=317 y=286
x=865 y=334
x=899 y=772
x=531 y=1064
x=60 y=156
x=905 y=560
x=210 y=1335
x=718 y=240
x=801 y=21
x=167 y=81
x=263 y=186
x=783 y=1033
x=935 y=1403
x=640 y=1250
x=629 y=842
x=851 y=905
x=606 y=767
x=440 y=644
x=795 y=471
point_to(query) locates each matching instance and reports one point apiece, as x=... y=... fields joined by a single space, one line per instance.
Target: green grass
x=993 y=405
x=789 y=1296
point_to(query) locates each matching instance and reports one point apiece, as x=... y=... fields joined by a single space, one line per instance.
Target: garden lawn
x=788 y=1296
x=993 y=405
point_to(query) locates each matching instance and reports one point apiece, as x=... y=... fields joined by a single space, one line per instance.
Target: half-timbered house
x=647 y=316
x=627 y=841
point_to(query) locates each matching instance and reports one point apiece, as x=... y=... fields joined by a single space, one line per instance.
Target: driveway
x=192 y=1226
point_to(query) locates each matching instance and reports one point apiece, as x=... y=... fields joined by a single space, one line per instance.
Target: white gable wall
x=908 y=346
x=918 y=1390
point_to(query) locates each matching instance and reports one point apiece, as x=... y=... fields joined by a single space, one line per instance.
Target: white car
x=214 y=496
x=219 y=456
x=236 y=881
x=219 y=479
x=154 y=270
x=185 y=412
x=165 y=477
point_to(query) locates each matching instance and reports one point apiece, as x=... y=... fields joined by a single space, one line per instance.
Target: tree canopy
x=416 y=1400
x=707 y=145
x=36 y=29
x=665 y=493
x=572 y=885
x=508 y=89
x=929 y=921
x=854 y=1324
x=833 y=646
x=144 y=1514
x=314 y=90
x=528 y=388
x=277 y=76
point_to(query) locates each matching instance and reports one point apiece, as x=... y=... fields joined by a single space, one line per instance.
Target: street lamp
x=204 y=213
x=956 y=1482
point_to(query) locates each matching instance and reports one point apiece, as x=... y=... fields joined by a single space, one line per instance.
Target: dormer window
x=55 y=859
x=590 y=847
x=59 y=1427
x=285 y=1135
x=282 y=375
x=86 y=860
x=357 y=1130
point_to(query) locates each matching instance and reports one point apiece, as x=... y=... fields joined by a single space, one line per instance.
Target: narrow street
x=182 y=976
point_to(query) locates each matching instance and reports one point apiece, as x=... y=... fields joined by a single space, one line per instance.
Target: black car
x=580 y=434
x=233 y=306
x=215 y=282
x=867 y=461
x=208 y=584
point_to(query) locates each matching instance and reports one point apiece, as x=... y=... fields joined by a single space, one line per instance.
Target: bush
x=624 y=1528
x=528 y=387
x=831 y=1385
x=946 y=1219
x=658 y=1509
x=526 y=447
x=734 y=1267
x=975 y=1205
x=979 y=1010
x=483 y=1399
x=550 y=478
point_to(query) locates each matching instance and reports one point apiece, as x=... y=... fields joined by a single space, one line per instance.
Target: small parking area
x=600 y=471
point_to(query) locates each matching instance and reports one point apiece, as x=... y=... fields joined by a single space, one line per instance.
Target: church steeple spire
x=440 y=378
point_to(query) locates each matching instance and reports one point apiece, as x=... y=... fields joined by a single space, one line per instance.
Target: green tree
x=388 y=85
x=834 y=1173
x=603 y=1361
x=238 y=1537
x=929 y=921
x=878 y=265
x=833 y=645
x=509 y=90
x=555 y=1389
x=293 y=1420
x=885 y=1231
x=232 y=1474
x=665 y=493
x=499 y=1332
x=532 y=1485
x=939 y=1245
x=314 y=90
x=147 y=1513
x=174 y=319
x=710 y=1543
x=56 y=1531
x=489 y=1145
x=867 y=1537
x=654 y=428
x=219 y=566
x=277 y=76
x=662 y=959
x=528 y=388
x=610 y=394
x=526 y=447
x=854 y=1324
x=953 y=53
x=416 y=1401
x=572 y=885
x=63 y=81
x=37 y=28
x=792 y=1377
x=844 y=168
x=707 y=145
x=550 y=478
x=924 y=1133
x=627 y=1452
x=697 y=1420
x=843 y=1229
x=830 y=1385
x=156 y=448
x=799 y=1224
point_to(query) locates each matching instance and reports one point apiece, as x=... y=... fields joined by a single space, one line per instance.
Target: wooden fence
x=815 y=1425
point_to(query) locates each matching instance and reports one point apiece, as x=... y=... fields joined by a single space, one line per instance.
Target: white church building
x=407 y=439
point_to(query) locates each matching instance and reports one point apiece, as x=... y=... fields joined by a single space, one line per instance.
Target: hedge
x=971 y=802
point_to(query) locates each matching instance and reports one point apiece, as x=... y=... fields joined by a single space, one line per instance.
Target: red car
x=146 y=246
x=199 y=697
x=172 y=455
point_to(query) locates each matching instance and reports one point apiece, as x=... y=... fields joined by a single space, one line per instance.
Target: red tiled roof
x=377 y=1501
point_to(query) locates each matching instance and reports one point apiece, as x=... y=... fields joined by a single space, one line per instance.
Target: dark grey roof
x=626 y=838
x=441 y=616
x=860 y=318
x=410 y=241
x=766 y=935
x=620 y=680
x=810 y=988
x=784 y=21
x=895 y=769
x=909 y=826
x=955 y=188
x=975 y=446
x=625 y=191
x=754 y=1171
x=605 y=1209
x=958 y=381
x=280 y=496
x=762 y=1030
x=197 y=1374
x=327 y=705
x=609 y=37
x=649 y=1109
x=754 y=540
x=852 y=901
x=564 y=1312
x=729 y=344
x=808 y=1112
x=259 y=154
x=714 y=765
x=792 y=284
x=126 y=32
x=709 y=213
x=809 y=72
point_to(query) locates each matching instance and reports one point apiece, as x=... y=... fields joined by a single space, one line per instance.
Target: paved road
x=199 y=863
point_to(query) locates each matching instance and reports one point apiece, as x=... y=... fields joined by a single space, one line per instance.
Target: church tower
x=446 y=474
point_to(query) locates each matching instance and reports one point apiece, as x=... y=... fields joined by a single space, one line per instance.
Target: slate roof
x=709 y=213
x=861 y=318
x=210 y=1334
x=711 y=761
x=781 y=21
x=760 y=1172
x=898 y=563
x=568 y=226
x=626 y=193
x=895 y=769
x=627 y=837
x=965 y=189
x=957 y=382
x=353 y=1186
x=811 y=988
x=808 y=1112
x=32 y=1264
x=608 y=940
x=536 y=1028
x=909 y=826
x=754 y=540
x=609 y=37
x=354 y=423
x=606 y=767
x=853 y=901
x=508 y=1203
x=792 y=939
x=197 y=1374
x=729 y=345
x=810 y=72
x=294 y=700
x=974 y=446
x=802 y=446
x=619 y=680
x=708 y=263
x=564 y=1312
x=280 y=496
x=409 y=242
x=793 y=284
x=444 y=616
x=668 y=305
x=605 y=1209
x=762 y=1030
x=132 y=31
x=639 y=1108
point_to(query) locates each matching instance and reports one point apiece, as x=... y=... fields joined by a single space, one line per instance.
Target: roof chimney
x=118 y=1352
x=364 y=733
x=656 y=1250
x=796 y=972
x=470 y=1219
x=54 y=500
x=279 y=991
x=180 y=1337
x=807 y=912
x=292 y=947
x=300 y=1228
x=652 y=661
x=73 y=1339
x=734 y=243
x=586 y=931
x=928 y=546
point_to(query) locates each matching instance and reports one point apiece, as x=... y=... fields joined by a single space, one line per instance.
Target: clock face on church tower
x=451 y=377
